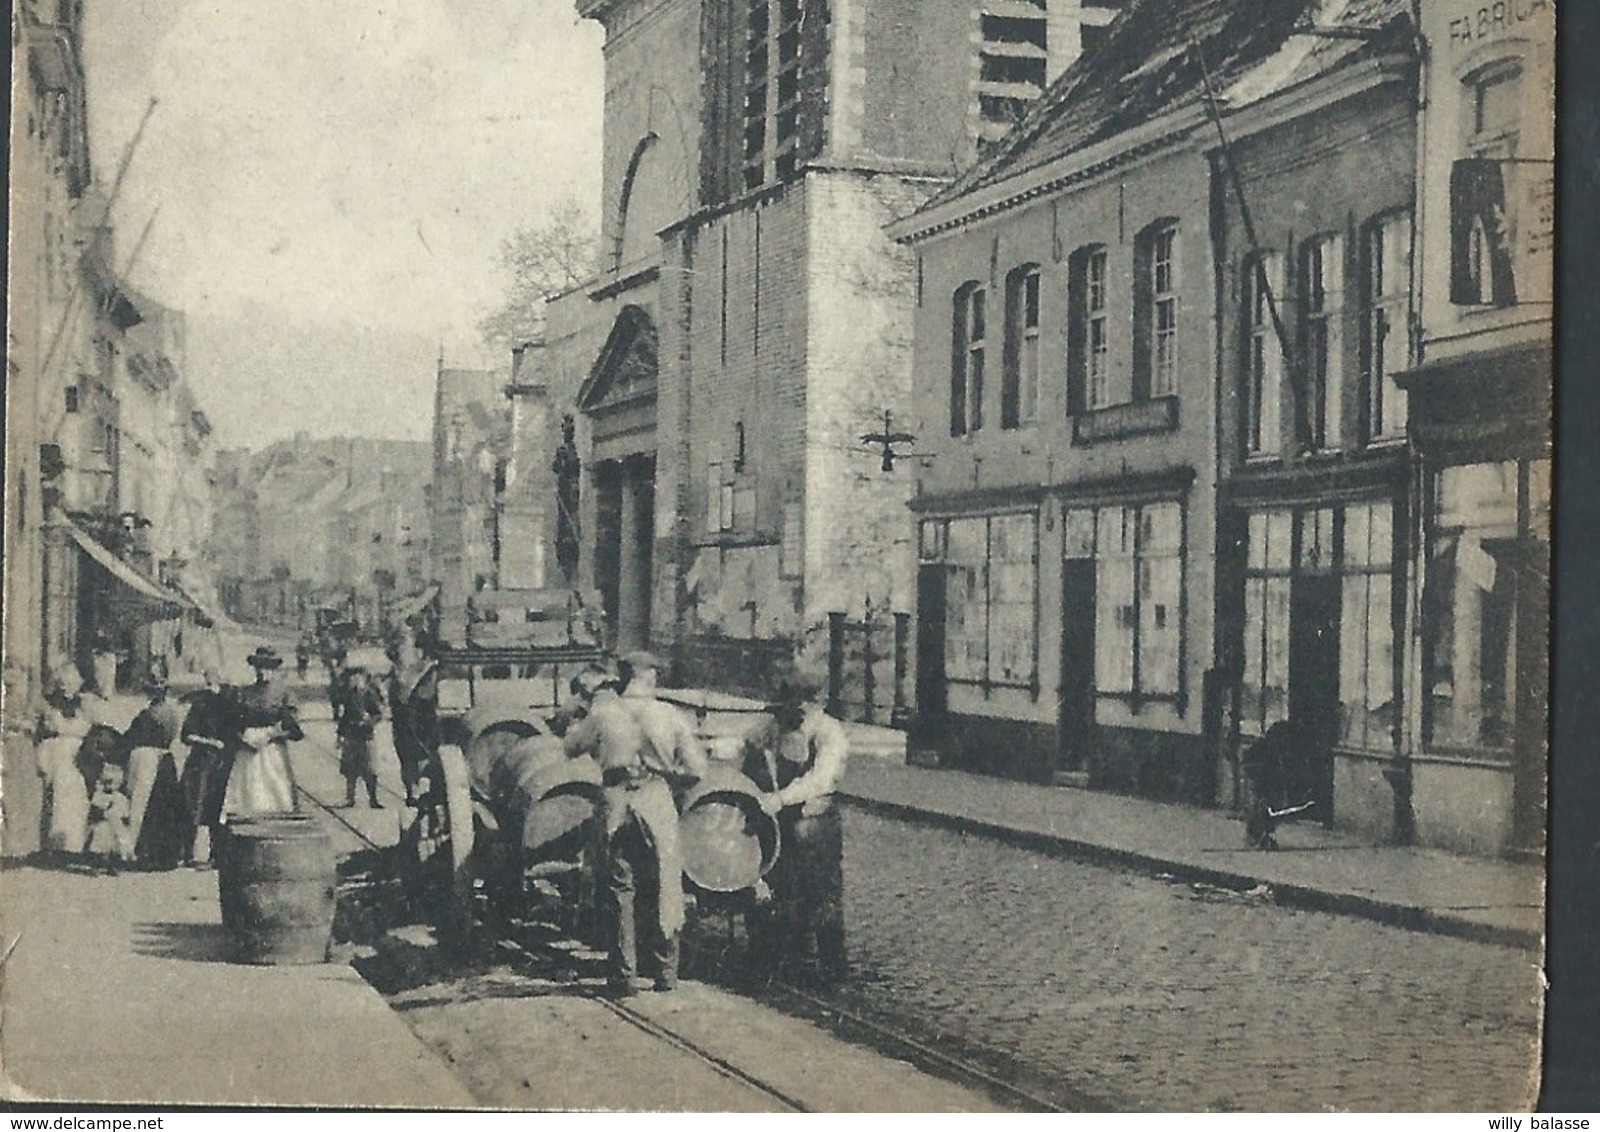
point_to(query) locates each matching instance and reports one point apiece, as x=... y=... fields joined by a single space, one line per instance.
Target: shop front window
x=1264 y=697
x=966 y=633
x=1138 y=600
x=991 y=612
x=1470 y=627
x=1366 y=628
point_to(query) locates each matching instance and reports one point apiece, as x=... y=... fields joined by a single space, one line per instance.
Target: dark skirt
x=162 y=840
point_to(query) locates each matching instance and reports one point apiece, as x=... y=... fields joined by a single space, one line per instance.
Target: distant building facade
x=338 y=522
x=471 y=457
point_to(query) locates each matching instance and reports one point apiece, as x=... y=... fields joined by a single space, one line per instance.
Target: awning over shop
x=409 y=607
x=133 y=587
x=201 y=606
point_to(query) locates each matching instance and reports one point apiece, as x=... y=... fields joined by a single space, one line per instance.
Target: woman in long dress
x=63 y=728
x=156 y=810
x=262 y=780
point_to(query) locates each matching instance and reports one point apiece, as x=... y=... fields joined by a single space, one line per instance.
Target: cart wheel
x=453 y=912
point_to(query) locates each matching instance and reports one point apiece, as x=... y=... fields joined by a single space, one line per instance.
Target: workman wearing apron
x=641 y=757
x=796 y=759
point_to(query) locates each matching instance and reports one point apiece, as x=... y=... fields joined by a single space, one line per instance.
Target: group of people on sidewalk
x=649 y=755
x=158 y=792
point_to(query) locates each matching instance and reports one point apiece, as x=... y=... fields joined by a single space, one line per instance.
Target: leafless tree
x=540 y=260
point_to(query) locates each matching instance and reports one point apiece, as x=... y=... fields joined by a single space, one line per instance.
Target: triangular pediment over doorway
x=624 y=372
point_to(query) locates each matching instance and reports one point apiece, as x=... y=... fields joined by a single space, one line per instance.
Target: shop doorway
x=1313 y=690
x=1076 y=719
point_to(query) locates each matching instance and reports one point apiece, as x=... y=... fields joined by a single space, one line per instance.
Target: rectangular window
x=966 y=368
x=1321 y=290
x=1099 y=373
x=72 y=398
x=1138 y=600
x=1367 y=713
x=1164 y=364
x=1019 y=388
x=744 y=508
x=1263 y=356
x=1490 y=546
x=1088 y=340
x=719 y=500
x=966 y=634
x=1385 y=344
x=1495 y=102
x=1155 y=313
x=1013 y=618
x=1264 y=695
x=991 y=597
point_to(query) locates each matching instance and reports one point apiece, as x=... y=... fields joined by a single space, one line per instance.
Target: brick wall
x=746 y=339
x=908 y=87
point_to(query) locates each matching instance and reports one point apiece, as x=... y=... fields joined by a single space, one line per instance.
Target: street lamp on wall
x=886 y=440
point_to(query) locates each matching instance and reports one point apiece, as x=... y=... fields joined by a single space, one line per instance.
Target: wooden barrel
x=275 y=883
x=728 y=842
x=562 y=794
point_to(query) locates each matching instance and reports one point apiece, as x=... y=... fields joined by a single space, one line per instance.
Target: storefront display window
x=1366 y=628
x=991 y=611
x=1013 y=616
x=1138 y=595
x=1264 y=697
x=966 y=638
x=1484 y=543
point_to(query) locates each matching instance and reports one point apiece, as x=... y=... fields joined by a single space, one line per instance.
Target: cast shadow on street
x=195 y=943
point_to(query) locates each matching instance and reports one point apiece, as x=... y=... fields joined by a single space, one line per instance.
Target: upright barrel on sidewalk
x=275 y=882
x=728 y=841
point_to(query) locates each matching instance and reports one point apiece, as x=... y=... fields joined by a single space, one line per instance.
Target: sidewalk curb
x=1405 y=916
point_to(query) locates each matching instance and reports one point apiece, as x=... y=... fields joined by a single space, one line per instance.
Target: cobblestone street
x=1099 y=987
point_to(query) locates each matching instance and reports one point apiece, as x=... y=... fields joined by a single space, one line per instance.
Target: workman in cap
x=642 y=755
x=358 y=719
x=796 y=758
x=414 y=721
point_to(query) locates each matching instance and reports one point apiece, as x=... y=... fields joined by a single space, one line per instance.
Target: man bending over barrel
x=642 y=752
x=796 y=758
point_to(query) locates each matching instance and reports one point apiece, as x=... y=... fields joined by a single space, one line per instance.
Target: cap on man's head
x=797 y=690
x=211 y=676
x=591 y=679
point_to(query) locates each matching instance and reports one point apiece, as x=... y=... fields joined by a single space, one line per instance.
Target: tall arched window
x=967 y=358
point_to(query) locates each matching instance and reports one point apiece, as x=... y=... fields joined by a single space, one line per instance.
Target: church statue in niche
x=568 y=467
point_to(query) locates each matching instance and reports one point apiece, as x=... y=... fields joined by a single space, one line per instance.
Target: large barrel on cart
x=729 y=843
